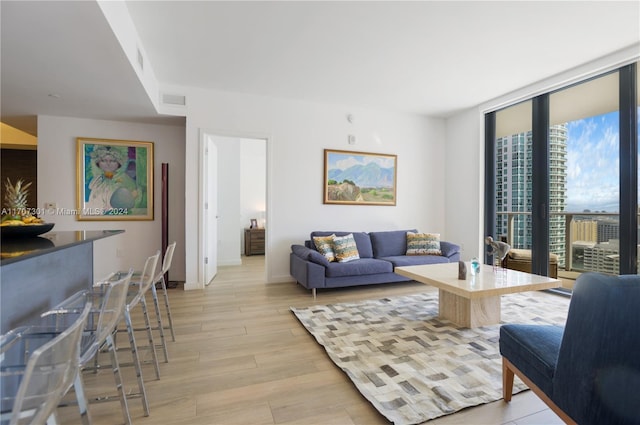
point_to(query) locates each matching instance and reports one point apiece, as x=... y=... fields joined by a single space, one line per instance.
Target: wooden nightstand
x=253 y=241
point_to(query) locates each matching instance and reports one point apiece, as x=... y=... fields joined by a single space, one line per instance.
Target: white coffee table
x=474 y=301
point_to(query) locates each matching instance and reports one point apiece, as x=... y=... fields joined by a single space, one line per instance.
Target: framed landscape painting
x=115 y=179
x=359 y=178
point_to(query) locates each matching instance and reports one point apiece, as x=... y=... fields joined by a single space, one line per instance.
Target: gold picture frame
x=359 y=178
x=114 y=179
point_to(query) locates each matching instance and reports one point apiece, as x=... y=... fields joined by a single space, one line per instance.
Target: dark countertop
x=17 y=249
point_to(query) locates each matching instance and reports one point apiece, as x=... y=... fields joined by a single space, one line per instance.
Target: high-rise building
x=603 y=257
x=514 y=171
x=584 y=230
x=608 y=228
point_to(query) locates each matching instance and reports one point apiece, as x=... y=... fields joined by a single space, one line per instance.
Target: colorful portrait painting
x=115 y=180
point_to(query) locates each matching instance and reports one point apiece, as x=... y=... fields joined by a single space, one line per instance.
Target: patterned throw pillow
x=345 y=248
x=423 y=244
x=324 y=245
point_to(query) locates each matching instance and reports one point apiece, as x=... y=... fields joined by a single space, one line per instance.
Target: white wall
x=57 y=183
x=296 y=133
x=464 y=171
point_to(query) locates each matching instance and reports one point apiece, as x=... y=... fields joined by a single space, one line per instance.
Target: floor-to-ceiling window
x=563 y=183
x=514 y=172
x=585 y=176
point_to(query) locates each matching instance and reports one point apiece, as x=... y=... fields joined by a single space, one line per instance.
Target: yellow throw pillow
x=423 y=244
x=345 y=248
x=324 y=245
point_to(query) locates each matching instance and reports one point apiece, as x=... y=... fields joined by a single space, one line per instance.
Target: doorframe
x=203 y=152
x=203 y=133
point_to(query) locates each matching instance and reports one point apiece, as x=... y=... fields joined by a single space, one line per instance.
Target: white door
x=210 y=233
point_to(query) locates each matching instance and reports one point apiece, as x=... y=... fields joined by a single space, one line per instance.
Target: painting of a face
x=108 y=163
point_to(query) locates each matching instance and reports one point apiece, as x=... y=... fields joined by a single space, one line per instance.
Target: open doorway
x=240 y=192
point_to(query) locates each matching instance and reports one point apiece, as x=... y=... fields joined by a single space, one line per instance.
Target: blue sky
x=593 y=164
x=342 y=161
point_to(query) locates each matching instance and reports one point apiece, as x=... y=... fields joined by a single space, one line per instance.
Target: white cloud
x=350 y=161
x=593 y=164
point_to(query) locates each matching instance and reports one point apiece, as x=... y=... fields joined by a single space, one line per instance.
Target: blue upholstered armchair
x=589 y=371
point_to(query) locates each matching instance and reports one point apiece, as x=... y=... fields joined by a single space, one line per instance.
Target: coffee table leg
x=469 y=313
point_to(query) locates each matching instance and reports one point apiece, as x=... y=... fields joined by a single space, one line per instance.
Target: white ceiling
x=425 y=57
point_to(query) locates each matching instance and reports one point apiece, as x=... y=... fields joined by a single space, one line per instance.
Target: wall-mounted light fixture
x=351 y=139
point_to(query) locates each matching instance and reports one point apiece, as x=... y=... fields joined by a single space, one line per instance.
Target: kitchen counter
x=37 y=273
x=17 y=249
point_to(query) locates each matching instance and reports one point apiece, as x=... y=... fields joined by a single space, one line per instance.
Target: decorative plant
x=15 y=211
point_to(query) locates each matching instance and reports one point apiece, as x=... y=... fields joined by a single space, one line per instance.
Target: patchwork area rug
x=413 y=366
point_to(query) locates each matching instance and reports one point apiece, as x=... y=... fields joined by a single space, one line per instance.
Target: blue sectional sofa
x=379 y=252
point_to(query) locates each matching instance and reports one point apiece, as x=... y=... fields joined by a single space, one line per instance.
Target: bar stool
x=108 y=302
x=137 y=296
x=166 y=265
x=38 y=368
x=159 y=278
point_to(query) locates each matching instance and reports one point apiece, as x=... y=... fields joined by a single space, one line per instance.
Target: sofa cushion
x=324 y=245
x=389 y=243
x=415 y=260
x=309 y=254
x=363 y=242
x=363 y=266
x=448 y=248
x=533 y=349
x=345 y=248
x=423 y=243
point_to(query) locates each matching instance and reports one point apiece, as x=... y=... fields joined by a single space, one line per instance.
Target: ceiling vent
x=174 y=99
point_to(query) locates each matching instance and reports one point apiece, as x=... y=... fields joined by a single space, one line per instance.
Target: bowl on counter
x=28 y=230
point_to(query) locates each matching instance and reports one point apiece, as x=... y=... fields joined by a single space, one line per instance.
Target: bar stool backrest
x=49 y=373
x=146 y=277
x=168 y=257
x=112 y=307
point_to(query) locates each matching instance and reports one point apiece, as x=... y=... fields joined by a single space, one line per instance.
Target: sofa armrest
x=450 y=250
x=307 y=273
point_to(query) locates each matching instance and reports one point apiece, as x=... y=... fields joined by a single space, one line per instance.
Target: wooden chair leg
x=508 y=372
x=507 y=381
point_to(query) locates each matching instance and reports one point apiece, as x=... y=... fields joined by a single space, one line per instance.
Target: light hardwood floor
x=241 y=357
